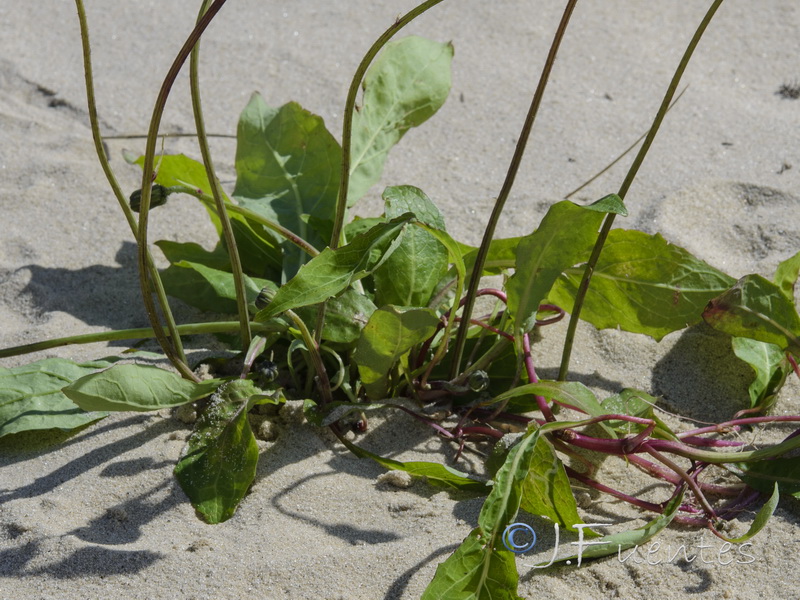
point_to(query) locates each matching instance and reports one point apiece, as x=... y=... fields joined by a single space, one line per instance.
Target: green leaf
x=546 y=491
x=786 y=275
x=644 y=285
x=345 y=316
x=177 y=169
x=474 y=572
x=288 y=169
x=570 y=393
x=435 y=473
x=761 y=518
x=409 y=276
x=404 y=87
x=207 y=288
x=481 y=567
x=635 y=403
x=501 y=256
x=770 y=366
x=756 y=308
x=137 y=388
x=616 y=543
x=31 y=397
x=388 y=336
x=564 y=238
x=258 y=250
x=219 y=464
x=332 y=271
x=763 y=474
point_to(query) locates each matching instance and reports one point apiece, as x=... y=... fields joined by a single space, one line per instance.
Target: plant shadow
x=701 y=378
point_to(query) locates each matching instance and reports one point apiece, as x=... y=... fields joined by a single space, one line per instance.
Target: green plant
x=367 y=321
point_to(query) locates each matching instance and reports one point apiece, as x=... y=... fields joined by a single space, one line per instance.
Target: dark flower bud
x=478 y=381
x=263 y=299
x=158 y=197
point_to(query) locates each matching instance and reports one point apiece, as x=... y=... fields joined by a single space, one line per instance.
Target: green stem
x=112 y=180
x=583 y=288
x=316 y=358
x=147 y=182
x=347 y=131
x=225 y=222
x=134 y=334
x=516 y=159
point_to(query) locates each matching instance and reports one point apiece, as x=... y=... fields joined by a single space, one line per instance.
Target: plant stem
x=225 y=222
x=147 y=183
x=516 y=159
x=132 y=334
x=115 y=187
x=347 y=131
x=583 y=288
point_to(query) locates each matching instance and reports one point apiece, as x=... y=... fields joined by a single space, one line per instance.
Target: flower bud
x=158 y=197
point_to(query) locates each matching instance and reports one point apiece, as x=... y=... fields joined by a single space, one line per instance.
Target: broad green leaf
x=345 y=316
x=288 y=168
x=258 y=250
x=770 y=366
x=616 y=543
x=219 y=464
x=756 y=308
x=388 y=336
x=404 y=87
x=763 y=474
x=564 y=238
x=644 y=285
x=482 y=568
x=31 y=397
x=786 y=275
x=501 y=256
x=546 y=491
x=332 y=271
x=435 y=473
x=409 y=276
x=475 y=572
x=136 y=388
x=206 y=288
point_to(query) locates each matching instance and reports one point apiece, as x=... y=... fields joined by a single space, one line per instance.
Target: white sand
x=101 y=516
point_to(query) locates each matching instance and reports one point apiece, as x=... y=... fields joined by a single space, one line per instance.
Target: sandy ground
x=100 y=515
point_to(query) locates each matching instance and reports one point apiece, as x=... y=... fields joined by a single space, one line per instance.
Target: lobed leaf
x=221 y=455
x=135 y=388
x=388 y=336
x=642 y=284
x=31 y=398
x=404 y=87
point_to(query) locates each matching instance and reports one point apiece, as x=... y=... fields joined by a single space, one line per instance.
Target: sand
x=99 y=515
